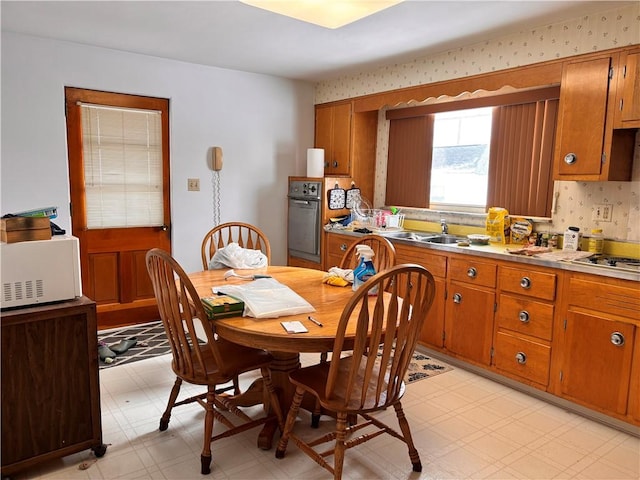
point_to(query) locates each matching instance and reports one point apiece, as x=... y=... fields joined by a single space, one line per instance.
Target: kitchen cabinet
x=587 y=147
x=634 y=387
x=432 y=333
x=336 y=245
x=50 y=389
x=469 y=309
x=349 y=141
x=333 y=134
x=627 y=107
x=597 y=338
x=524 y=321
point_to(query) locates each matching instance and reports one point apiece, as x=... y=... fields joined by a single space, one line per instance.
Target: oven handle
x=303 y=202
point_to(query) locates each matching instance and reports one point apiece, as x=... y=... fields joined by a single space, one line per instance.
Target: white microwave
x=40 y=271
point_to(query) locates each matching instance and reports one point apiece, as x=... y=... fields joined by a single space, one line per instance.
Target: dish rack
x=377 y=220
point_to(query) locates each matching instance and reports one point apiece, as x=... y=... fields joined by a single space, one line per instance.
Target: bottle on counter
x=596 y=241
x=571 y=239
x=365 y=269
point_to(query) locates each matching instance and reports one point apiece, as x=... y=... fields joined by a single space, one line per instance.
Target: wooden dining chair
x=384 y=257
x=244 y=234
x=370 y=379
x=211 y=363
x=384 y=252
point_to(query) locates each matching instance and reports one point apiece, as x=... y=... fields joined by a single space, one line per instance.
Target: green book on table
x=219 y=306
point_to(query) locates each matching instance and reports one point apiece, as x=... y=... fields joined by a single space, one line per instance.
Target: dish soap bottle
x=365 y=269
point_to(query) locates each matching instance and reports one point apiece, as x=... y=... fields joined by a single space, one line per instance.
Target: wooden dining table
x=328 y=302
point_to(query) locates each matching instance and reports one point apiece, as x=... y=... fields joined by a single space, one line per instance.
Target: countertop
x=500 y=252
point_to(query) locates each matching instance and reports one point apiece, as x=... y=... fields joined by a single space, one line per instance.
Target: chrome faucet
x=445 y=227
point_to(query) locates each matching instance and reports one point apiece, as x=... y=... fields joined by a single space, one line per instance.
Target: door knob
x=457 y=298
x=617 y=339
x=521 y=358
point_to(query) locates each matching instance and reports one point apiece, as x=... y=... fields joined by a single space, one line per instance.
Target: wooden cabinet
x=597 y=338
x=333 y=134
x=432 y=333
x=349 y=141
x=627 y=107
x=50 y=389
x=469 y=309
x=336 y=246
x=587 y=147
x=524 y=321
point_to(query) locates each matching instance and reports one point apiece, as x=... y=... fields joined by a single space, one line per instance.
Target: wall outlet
x=193 y=184
x=602 y=212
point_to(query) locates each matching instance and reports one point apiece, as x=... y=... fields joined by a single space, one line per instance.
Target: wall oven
x=305 y=219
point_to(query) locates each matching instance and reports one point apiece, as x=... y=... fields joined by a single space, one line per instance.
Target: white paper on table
x=267 y=298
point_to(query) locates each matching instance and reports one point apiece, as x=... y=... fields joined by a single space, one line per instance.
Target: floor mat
x=151 y=342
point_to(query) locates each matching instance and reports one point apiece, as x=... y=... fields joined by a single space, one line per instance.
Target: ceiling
x=233 y=35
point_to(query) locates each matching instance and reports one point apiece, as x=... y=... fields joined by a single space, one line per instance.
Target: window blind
x=122 y=149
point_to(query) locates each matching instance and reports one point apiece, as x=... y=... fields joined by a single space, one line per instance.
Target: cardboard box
x=23 y=229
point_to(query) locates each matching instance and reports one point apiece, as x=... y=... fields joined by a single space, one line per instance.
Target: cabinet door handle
x=457 y=298
x=524 y=316
x=335 y=164
x=617 y=339
x=472 y=272
x=525 y=282
x=326 y=164
x=570 y=158
x=521 y=358
x=343 y=247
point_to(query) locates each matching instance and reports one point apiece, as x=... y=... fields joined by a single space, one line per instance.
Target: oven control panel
x=303 y=189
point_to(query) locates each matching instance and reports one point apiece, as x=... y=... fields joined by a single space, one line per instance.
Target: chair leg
x=291 y=420
x=317 y=410
x=205 y=457
x=341 y=437
x=173 y=396
x=406 y=432
x=236 y=385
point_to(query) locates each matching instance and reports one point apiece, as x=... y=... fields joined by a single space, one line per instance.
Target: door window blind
x=122 y=149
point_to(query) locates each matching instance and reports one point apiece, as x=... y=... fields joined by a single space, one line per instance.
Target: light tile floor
x=465 y=427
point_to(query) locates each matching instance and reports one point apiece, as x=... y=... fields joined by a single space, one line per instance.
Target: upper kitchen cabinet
x=627 y=108
x=333 y=133
x=587 y=146
x=349 y=142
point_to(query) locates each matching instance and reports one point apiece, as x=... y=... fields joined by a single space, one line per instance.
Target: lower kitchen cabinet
x=524 y=324
x=597 y=338
x=634 y=386
x=336 y=245
x=433 y=330
x=50 y=389
x=597 y=361
x=469 y=309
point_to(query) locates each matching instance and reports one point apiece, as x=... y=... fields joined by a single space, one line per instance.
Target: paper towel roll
x=315 y=162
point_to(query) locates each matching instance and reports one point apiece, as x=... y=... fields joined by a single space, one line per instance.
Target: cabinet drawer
x=436 y=264
x=528 y=282
x=522 y=357
x=618 y=300
x=472 y=271
x=336 y=246
x=525 y=316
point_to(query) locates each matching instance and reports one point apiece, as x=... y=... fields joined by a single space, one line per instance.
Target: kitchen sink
x=443 y=238
x=406 y=235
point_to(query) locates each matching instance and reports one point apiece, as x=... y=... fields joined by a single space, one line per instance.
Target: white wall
x=264 y=125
